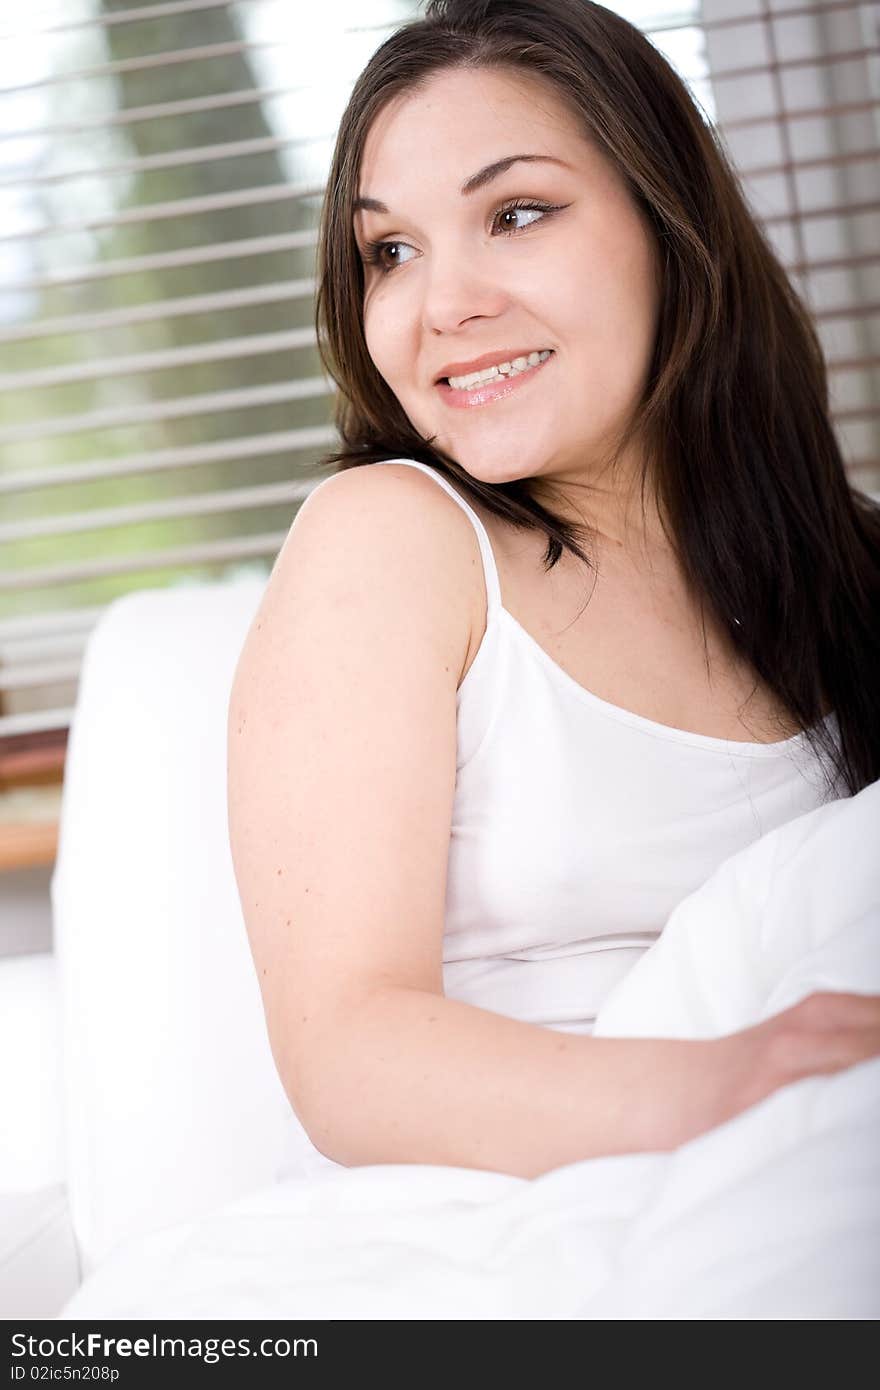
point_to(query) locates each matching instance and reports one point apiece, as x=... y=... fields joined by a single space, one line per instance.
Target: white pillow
x=31 y=1100
x=39 y=1269
x=172 y=1097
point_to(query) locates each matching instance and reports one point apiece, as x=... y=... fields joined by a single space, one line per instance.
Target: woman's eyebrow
x=470 y=185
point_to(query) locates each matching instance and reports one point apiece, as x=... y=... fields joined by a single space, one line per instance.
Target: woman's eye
x=374 y=252
x=507 y=216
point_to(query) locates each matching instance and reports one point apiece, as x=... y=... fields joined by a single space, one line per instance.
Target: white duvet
x=775 y=1214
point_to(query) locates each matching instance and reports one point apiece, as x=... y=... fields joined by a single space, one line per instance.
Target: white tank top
x=578 y=826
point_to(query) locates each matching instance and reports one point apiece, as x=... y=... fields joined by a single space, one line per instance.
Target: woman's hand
x=825 y=1033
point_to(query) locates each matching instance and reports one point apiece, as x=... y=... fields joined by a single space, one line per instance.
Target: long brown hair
x=745 y=467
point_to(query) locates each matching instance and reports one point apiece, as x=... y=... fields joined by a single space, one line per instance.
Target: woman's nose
x=454 y=293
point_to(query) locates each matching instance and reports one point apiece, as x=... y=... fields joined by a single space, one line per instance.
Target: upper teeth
x=519 y=364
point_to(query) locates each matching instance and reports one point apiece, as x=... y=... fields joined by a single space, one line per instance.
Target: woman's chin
x=483 y=471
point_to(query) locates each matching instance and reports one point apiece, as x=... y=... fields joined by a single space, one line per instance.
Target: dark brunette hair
x=744 y=464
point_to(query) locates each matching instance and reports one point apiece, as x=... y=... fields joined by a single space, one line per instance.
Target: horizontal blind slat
x=173 y=159
x=182 y=207
x=162 y=460
x=160 y=309
x=220 y=350
x=173 y=260
x=842 y=210
x=764 y=15
x=46 y=673
x=62 y=621
x=150 y=62
x=136 y=14
x=118 y=416
x=39 y=647
x=817 y=60
x=806 y=113
x=136 y=513
x=174 y=557
x=160 y=110
x=35 y=721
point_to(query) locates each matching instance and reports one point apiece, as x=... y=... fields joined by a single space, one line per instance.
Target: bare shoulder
x=397 y=529
x=399 y=490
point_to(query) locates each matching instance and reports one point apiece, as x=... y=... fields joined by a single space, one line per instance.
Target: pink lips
x=491 y=390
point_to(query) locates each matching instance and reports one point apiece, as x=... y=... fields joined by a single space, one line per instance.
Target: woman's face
x=464 y=276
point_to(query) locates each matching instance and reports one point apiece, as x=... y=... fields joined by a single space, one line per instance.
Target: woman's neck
x=620 y=516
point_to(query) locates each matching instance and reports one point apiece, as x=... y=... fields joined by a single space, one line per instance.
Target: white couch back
x=172 y=1100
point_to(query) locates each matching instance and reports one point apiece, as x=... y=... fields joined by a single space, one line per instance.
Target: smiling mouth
x=503 y=371
x=496 y=388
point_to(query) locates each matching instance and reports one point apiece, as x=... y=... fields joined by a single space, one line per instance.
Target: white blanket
x=775 y=1214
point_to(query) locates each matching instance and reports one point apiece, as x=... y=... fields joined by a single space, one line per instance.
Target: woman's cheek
x=381 y=344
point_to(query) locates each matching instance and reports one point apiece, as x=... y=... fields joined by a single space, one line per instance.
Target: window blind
x=162 y=402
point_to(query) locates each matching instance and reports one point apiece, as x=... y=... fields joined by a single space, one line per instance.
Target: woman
x=586 y=607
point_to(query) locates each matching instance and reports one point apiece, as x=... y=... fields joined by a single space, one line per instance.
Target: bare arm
x=342 y=753
x=474 y=1089
x=413 y=1078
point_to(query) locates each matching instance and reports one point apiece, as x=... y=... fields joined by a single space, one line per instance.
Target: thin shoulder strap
x=490 y=569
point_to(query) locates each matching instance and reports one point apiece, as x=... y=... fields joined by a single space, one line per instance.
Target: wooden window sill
x=31 y=779
x=23 y=846
x=29 y=819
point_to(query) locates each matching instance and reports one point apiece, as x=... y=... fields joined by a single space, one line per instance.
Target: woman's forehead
x=443 y=126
